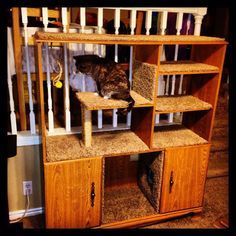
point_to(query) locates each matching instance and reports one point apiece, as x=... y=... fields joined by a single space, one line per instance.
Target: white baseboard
x=31 y=212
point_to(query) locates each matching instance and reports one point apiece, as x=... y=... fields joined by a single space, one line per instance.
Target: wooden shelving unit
x=133 y=177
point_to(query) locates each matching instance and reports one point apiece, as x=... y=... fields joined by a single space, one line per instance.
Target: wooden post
x=86 y=126
x=17 y=41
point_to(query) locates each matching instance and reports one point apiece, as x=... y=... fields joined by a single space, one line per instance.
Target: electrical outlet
x=27 y=186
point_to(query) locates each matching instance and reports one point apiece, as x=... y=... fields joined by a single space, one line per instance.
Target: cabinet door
x=184 y=175
x=73 y=193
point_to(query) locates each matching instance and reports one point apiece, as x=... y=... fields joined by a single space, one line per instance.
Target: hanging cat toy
x=56 y=80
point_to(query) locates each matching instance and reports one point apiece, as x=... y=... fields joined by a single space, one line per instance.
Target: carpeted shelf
x=186 y=67
x=125 y=39
x=71 y=147
x=175 y=136
x=125 y=202
x=94 y=102
x=180 y=103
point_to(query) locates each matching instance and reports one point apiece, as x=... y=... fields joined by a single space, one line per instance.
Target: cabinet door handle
x=171 y=182
x=92 y=196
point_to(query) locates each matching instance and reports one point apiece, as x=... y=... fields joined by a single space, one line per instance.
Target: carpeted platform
x=180 y=103
x=178 y=67
x=125 y=202
x=174 y=136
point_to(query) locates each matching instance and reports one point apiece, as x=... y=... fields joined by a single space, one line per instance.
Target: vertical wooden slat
x=163 y=24
x=116 y=26
x=148 y=21
x=100 y=24
x=17 y=41
x=66 y=81
x=29 y=82
x=132 y=27
x=82 y=25
x=9 y=81
x=50 y=112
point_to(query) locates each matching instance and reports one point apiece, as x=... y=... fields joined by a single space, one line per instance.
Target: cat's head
x=85 y=63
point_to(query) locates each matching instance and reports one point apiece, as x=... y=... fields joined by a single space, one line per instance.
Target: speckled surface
x=70 y=147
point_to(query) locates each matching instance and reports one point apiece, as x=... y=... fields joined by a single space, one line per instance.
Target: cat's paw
x=106 y=97
x=95 y=93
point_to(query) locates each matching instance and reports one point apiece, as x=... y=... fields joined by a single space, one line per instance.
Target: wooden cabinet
x=184 y=177
x=175 y=157
x=73 y=193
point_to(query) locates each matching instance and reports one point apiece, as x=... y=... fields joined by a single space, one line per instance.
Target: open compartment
x=127 y=190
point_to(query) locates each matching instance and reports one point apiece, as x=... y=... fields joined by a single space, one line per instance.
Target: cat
x=111 y=80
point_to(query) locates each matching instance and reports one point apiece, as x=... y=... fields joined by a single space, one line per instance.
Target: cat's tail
x=124 y=111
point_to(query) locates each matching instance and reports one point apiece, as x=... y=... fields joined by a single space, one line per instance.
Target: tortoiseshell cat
x=111 y=80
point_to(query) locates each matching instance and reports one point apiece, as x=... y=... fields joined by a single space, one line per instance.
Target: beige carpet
x=215 y=206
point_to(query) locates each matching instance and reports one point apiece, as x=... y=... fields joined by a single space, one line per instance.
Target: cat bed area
x=95 y=102
x=150 y=176
x=186 y=67
x=133 y=196
x=180 y=103
x=125 y=202
x=71 y=147
x=175 y=136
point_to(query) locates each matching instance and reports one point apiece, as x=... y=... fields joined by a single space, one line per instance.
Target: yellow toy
x=56 y=80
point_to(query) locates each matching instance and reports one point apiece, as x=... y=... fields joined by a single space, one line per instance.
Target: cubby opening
x=131 y=186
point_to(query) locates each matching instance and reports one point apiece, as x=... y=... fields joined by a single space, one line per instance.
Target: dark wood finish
x=147 y=53
x=206 y=88
x=142 y=124
x=120 y=170
x=40 y=96
x=17 y=41
x=187 y=168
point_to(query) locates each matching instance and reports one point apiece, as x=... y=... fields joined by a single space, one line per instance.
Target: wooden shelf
x=186 y=67
x=94 y=102
x=125 y=202
x=175 y=136
x=181 y=103
x=71 y=147
x=125 y=39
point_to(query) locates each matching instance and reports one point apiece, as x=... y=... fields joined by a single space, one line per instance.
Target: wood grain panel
x=120 y=170
x=189 y=168
x=147 y=54
x=68 y=193
x=143 y=124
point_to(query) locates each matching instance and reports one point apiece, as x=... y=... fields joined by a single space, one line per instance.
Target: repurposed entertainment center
x=145 y=174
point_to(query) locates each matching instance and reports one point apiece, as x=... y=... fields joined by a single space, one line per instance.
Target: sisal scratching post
x=86 y=126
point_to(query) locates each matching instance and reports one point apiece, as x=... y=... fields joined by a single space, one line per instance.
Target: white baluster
x=117 y=26
x=132 y=27
x=66 y=81
x=82 y=18
x=12 y=105
x=163 y=24
x=148 y=21
x=100 y=25
x=197 y=24
x=50 y=112
x=82 y=24
x=182 y=76
x=31 y=115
